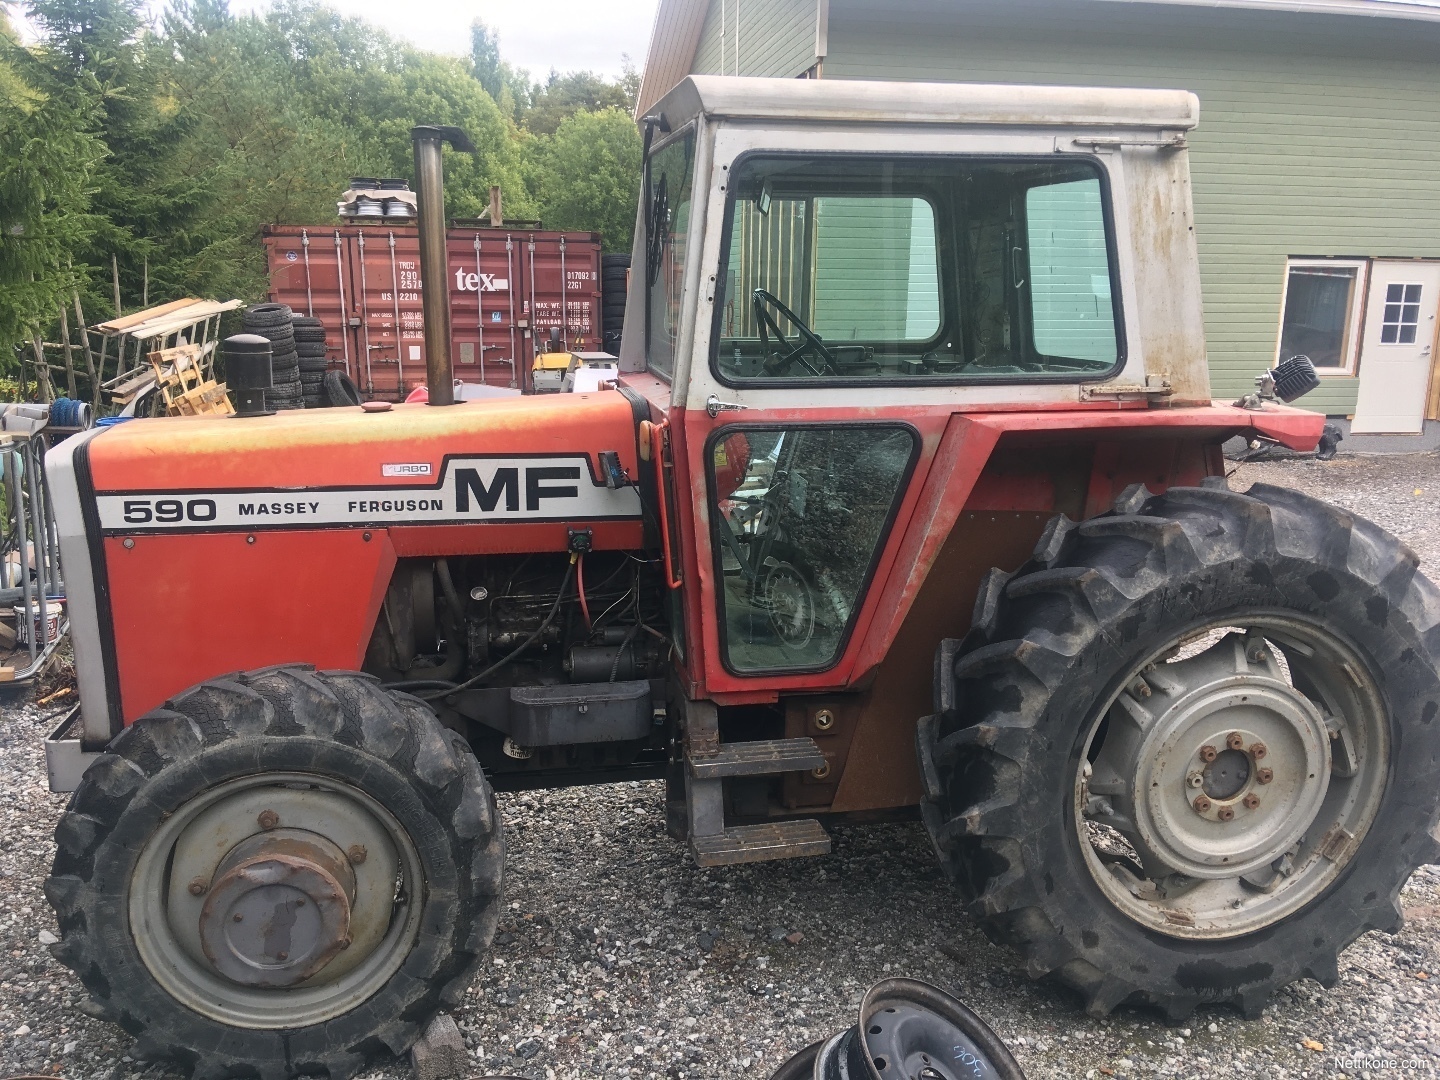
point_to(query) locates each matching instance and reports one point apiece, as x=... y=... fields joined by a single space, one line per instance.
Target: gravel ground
x=618 y=957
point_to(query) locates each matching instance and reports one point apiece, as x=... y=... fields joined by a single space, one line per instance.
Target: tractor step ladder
x=708 y=762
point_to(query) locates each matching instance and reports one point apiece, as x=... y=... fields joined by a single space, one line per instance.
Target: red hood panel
x=334 y=448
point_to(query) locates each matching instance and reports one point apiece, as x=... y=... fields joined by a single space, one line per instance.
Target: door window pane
x=1402 y=314
x=940 y=269
x=799 y=516
x=1072 y=309
x=668 y=178
x=1320 y=304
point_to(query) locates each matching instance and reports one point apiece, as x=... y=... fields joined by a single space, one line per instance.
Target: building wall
x=1319 y=135
x=777 y=38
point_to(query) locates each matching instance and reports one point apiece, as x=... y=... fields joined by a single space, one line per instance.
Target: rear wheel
x=279 y=874
x=1189 y=752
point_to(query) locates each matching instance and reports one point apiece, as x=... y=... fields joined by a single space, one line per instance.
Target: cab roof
x=861 y=101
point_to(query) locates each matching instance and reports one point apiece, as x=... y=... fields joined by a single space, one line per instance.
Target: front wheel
x=278 y=873
x=1190 y=751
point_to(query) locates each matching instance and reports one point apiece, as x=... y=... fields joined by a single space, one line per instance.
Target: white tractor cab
x=904 y=216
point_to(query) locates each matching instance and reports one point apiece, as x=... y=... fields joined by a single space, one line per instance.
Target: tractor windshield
x=849 y=268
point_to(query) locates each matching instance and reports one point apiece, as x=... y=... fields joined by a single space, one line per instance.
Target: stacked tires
x=310 y=345
x=274 y=322
x=614 y=277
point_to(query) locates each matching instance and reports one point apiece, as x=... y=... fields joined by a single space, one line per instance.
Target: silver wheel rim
x=1232 y=777
x=192 y=843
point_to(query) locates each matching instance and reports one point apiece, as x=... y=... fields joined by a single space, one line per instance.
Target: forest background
x=160 y=147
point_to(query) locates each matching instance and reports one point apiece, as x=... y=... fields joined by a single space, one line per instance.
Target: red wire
x=580 y=587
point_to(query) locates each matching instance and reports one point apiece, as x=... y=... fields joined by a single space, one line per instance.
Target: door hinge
x=1153 y=386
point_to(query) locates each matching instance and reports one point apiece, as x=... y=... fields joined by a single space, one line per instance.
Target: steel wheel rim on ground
x=342 y=984
x=1316 y=822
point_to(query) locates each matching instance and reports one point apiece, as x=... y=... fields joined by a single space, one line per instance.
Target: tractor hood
x=521 y=459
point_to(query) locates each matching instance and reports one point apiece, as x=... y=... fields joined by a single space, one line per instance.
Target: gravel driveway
x=618 y=957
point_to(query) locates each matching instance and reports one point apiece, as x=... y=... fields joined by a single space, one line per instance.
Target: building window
x=1321 y=309
x=1402 y=314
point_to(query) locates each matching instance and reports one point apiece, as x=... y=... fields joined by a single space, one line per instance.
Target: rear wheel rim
x=164 y=902
x=1233 y=775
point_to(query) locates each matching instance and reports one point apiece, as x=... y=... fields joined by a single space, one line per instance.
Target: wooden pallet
x=184 y=383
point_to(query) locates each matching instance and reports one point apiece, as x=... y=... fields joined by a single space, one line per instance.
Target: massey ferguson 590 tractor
x=909 y=494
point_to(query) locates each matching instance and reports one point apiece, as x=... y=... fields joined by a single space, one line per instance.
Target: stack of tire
x=310 y=344
x=273 y=321
x=614 y=270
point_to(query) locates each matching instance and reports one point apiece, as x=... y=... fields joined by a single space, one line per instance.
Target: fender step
x=758 y=843
x=761 y=757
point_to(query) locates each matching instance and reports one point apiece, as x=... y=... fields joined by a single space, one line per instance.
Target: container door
x=563 y=289
x=1397 y=351
x=310 y=270
x=482 y=285
x=392 y=324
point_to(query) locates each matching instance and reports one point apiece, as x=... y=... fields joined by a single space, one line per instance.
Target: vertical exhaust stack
x=434 y=278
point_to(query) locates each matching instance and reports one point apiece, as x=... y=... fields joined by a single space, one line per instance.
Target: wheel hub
x=279 y=909
x=1232 y=824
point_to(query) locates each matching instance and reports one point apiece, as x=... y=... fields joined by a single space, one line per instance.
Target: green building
x=1316 y=166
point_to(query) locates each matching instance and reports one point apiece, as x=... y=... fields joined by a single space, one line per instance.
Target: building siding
x=777 y=38
x=1319 y=135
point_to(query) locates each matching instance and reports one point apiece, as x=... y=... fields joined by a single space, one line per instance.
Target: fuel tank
x=221 y=544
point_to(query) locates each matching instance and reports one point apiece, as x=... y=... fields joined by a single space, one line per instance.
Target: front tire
x=1189 y=752
x=344 y=824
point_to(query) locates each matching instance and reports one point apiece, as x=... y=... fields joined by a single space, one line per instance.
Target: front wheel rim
x=1233 y=775
x=166 y=900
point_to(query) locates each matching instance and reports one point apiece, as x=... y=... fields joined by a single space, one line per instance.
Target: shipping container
x=507 y=289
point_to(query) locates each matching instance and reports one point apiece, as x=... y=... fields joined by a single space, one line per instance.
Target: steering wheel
x=781 y=363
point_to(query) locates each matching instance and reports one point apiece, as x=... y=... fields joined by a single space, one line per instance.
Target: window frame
x=717 y=548
x=1355 y=322
x=688 y=131
x=1112 y=249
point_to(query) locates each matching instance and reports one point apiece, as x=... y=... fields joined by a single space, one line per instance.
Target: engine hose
x=534 y=637
x=408 y=685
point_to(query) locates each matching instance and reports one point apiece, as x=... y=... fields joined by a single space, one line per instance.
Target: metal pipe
x=399 y=344
x=510 y=288
x=434 y=279
x=344 y=320
x=309 y=299
x=480 y=306
x=564 y=298
x=364 y=320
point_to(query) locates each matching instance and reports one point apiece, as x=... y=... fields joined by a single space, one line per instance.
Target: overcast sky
x=567 y=35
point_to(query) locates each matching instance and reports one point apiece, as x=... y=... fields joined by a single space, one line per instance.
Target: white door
x=1395 y=354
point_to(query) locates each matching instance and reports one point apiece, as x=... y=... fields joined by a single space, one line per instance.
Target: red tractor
x=909 y=495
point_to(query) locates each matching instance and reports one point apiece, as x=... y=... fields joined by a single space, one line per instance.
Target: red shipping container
x=507 y=289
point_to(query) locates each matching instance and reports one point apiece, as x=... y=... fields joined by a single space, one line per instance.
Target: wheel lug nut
x=1201 y=804
x=1195 y=779
x=1208 y=753
x=356 y=853
x=238 y=917
x=1251 y=801
x=1225 y=813
x=282 y=955
x=268 y=819
x=1235 y=740
x=1264 y=775
x=198 y=886
x=1257 y=750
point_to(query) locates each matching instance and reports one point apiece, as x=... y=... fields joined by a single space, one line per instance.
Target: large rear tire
x=354 y=834
x=1189 y=752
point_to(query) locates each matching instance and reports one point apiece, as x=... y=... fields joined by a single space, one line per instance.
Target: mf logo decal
x=470 y=489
